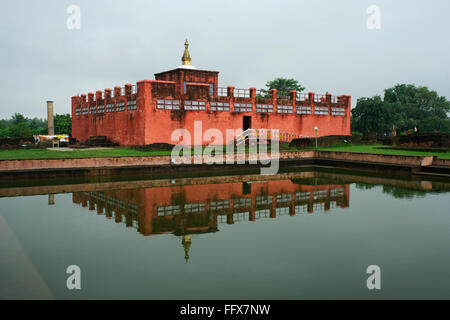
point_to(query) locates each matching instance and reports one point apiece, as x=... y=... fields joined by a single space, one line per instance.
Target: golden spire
x=186 y=58
x=186 y=242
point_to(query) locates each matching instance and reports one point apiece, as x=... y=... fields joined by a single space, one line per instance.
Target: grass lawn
x=123 y=151
x=50 y=154
x=372 y=149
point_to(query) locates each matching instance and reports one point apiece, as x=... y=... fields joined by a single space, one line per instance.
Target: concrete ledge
x=377 y=158
x=441 y=162
x=108 y=162
x=116 y=165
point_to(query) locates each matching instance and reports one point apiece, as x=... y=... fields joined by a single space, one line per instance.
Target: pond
x=307 y=234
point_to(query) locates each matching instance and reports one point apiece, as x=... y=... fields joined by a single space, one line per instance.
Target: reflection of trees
x=364 y=186
x=396 y=192
x=401 y=193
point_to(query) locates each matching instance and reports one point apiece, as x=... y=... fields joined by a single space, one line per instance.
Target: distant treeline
x=404 y=108
x=20 y=126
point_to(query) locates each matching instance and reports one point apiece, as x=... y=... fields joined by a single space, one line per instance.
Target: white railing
x=268 y=134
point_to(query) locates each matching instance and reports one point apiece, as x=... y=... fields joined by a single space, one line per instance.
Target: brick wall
x=180 y=97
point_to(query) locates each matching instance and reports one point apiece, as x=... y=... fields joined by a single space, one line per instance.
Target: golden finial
x=186 y=59
x=186 y=242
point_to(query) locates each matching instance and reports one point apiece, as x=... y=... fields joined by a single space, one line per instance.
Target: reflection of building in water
x=193 y=209
x=190 y=209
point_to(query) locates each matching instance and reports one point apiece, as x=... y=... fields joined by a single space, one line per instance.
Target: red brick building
x=151 y=110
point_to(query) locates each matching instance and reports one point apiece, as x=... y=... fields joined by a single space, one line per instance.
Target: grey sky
x=323 y=44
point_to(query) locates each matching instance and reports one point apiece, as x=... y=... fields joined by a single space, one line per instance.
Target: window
x=85 y=110
x=92 y=110
x=242 y=203
x=219 y=205
x=320 y=194
x=264 y=108
x=261 y=200
x=303 y=110
x=194 y=207
x=265 y=213
x=336 y=192
x=77 y=111
x=168 y=104
x=284 y=109
x=194 y=105
x=168 y=210
x=319 y=206
x=282 y=211
x=301 y=209
x=243 y=107
x=321 y=111
x=220 y=106
x=110 y=107
x=285 y=197
x=338 y=111
x=299 y=196
x=133 y=209
x=120 y=204
x=241 y=216
x=120 y=106
x=131 y=105
x=101 y=109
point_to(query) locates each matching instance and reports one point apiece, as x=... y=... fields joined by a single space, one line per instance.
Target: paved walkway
x=76 y=149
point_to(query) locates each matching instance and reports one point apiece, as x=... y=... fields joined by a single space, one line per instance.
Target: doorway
x=246 y=122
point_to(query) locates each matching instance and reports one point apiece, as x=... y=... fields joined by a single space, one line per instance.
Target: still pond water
x=296 y=235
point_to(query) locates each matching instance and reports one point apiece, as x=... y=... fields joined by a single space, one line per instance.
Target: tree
x=283 y=86
x=63 y=124
x=20 y=126
x=371 y=115
x=404 y=107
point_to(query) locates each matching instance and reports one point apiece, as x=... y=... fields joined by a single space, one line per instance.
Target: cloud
x=324 y=44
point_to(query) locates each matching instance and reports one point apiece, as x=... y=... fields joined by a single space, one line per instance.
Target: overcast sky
x=325 y=44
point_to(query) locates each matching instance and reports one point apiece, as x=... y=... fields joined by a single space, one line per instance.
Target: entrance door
x=246 y=122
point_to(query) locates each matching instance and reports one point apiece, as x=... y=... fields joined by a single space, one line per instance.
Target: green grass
x=372 y=149
x=123 y=151
x=50 y=154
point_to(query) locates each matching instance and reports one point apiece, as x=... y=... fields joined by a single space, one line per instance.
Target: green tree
x=404 y=107
x=63 y=124
x=283 y=86
x=371 y=115
x=20 y=126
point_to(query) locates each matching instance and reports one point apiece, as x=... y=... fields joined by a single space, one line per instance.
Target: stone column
x=50 y=120
x=311 y=101
x=293 y=97
x=51 y=199
x=273 y=94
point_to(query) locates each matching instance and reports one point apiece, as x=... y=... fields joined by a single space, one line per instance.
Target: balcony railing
x=222 y=92
x=302 y=96
x=242 y=93
x=320 y=98
x=283 y=95
x=334 y=99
